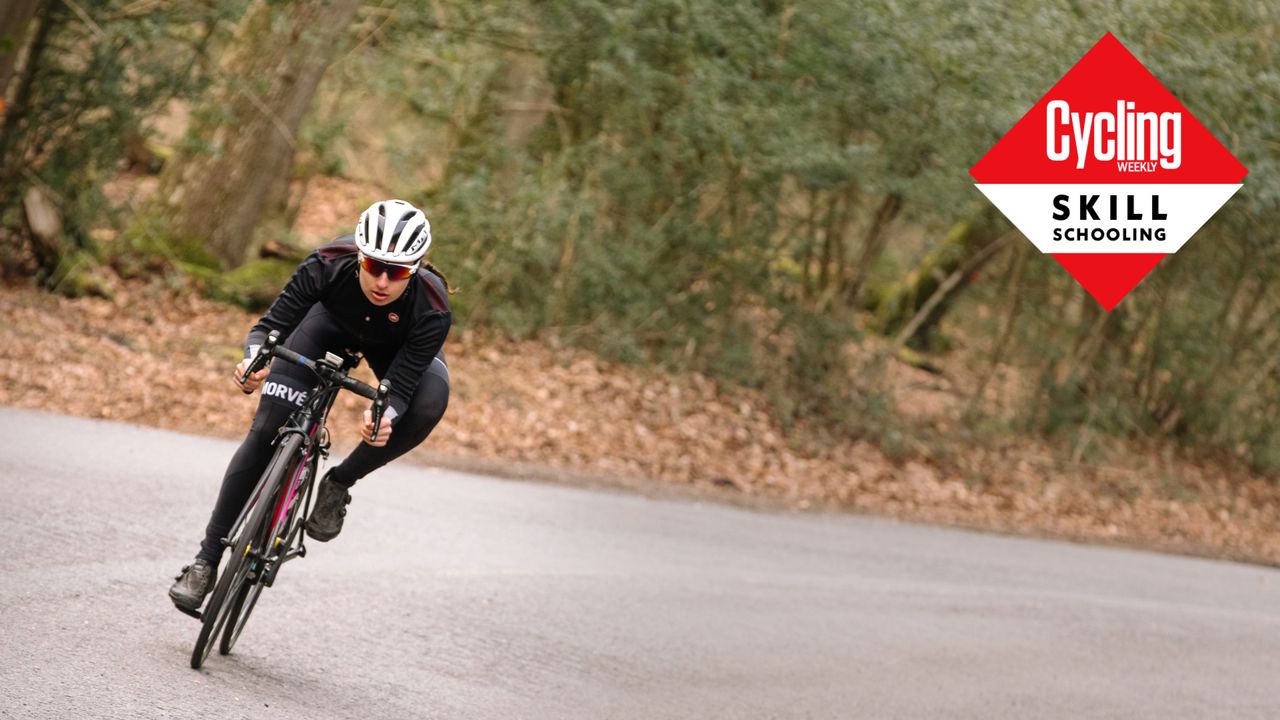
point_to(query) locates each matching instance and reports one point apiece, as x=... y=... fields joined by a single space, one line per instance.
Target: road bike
x=269 y=531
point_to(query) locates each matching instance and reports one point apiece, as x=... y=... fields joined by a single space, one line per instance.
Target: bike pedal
x=193 y=613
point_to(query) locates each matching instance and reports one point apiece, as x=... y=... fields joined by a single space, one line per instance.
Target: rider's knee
x=429 y=405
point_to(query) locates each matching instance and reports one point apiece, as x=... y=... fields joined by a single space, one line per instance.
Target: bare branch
x=79 y=11
x=945 y=288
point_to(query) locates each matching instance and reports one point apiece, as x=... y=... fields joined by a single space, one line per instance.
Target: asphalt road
x=460 y=596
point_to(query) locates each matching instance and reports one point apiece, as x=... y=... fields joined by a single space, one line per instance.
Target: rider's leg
x=243 y=472
x=283 y=392
x=196 y=580
x=427 y=406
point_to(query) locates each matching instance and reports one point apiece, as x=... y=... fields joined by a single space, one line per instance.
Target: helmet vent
x=381 y=236
x=397 y=237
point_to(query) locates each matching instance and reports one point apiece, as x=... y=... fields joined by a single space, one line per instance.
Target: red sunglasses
x=394 y=272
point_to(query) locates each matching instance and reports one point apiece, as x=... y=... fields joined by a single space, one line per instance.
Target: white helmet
x=393 y=231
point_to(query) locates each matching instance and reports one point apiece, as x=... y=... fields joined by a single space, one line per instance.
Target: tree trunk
x=44 y=226
x=1016 y=293
x=14 y=155
x=15 y=100
x=281 y=53
x=964 y=248
x=811 y=240
x=15 y=17
x=872 y=245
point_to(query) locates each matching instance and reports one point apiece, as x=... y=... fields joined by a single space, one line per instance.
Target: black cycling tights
x=281 y=396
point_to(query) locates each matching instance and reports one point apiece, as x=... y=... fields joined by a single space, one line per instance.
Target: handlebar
x=329 y=369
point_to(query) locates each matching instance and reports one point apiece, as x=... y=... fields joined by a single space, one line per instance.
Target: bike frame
x=306 y=422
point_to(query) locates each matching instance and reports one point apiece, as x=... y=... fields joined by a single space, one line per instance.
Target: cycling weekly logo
x=1108 y=173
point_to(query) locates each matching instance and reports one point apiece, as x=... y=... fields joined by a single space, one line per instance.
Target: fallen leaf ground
x=162 y=356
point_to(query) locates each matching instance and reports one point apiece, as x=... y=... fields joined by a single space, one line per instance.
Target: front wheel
x=241 y=607
x=244 y=601
x=240 y=566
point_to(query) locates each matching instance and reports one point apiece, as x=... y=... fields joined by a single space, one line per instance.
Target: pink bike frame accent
x=286 y=500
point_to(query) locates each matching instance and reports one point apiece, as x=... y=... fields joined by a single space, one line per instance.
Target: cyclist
x=374 y=294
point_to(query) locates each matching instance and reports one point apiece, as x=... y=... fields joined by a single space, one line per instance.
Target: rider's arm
x=420 y=348
x=287 y=310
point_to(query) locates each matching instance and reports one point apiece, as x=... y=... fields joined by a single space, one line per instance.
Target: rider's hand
x=384 y=429
x=254 y=381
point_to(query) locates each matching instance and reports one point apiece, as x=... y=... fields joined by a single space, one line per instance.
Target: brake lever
x=379 y=406
x=260 y=360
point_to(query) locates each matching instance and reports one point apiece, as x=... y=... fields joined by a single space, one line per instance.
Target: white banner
x=1128 y=218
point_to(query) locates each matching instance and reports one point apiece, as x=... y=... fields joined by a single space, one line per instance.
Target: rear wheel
x=237 y=581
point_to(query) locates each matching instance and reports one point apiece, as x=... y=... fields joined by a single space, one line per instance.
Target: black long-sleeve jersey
x=413 y=326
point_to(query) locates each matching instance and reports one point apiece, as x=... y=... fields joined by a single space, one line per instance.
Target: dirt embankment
x=156 y=356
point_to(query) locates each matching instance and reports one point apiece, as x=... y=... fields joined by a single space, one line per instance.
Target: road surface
x=451 y=595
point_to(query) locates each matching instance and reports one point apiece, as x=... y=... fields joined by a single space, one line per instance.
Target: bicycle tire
x=247 y=597
x=236 y=570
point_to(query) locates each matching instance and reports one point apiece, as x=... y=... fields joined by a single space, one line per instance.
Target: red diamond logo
x=1108 y=173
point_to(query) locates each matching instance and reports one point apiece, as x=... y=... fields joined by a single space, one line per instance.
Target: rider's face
x=380 y=289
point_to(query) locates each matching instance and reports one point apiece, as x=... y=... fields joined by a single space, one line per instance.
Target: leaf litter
x=163 y=356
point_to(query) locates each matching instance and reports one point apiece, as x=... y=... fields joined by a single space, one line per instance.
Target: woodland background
x=767 y=201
